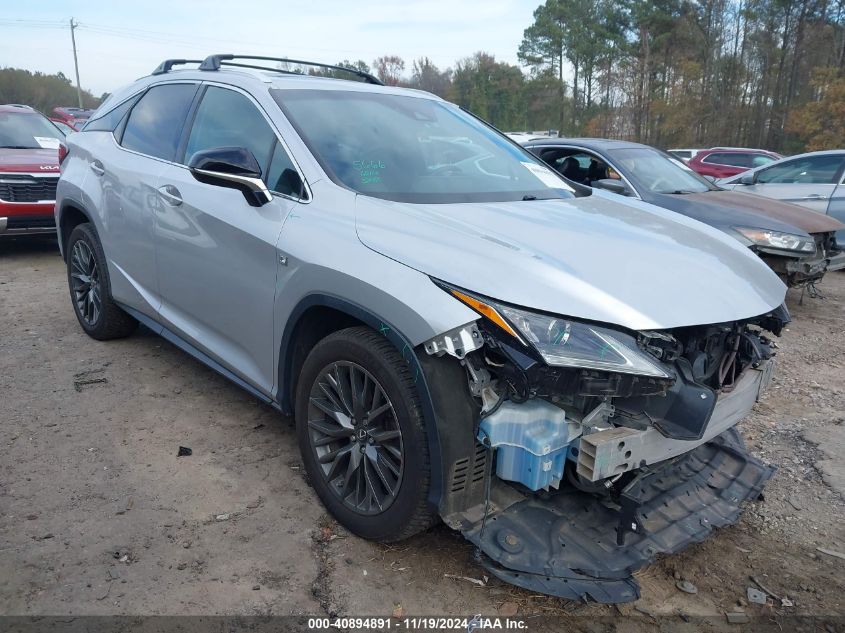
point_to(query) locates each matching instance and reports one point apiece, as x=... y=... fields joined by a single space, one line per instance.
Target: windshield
x=657 y=172
x=27 y=131
x=411 y=149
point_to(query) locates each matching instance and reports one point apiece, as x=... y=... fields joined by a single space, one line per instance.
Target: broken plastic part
x=458 y=342
x=620 y=449
x=568 y=544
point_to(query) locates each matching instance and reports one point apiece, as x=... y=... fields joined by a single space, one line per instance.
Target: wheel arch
x=318 y=315
x=70 y=215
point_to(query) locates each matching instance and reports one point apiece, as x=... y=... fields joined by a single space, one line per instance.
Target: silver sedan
x=813 y=180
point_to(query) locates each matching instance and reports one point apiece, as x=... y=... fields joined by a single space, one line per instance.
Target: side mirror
x=612 y=185
x=234 y=168
x=747 y=179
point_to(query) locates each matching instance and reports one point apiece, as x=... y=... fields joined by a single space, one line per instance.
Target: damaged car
x=799 y=245
x=458 y=332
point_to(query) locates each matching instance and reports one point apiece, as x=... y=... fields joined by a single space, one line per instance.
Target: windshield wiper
x=677 y=192
x=18 y=147
x=529 y=197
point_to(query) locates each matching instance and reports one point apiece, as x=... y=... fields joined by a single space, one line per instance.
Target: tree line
x=696 y=73
x=41 y=91
x=672 y=73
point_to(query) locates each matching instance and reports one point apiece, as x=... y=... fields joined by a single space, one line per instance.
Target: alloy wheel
x=85 y=282
x=355 y=435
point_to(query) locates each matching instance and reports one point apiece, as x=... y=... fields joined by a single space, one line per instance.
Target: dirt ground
x=98 y=515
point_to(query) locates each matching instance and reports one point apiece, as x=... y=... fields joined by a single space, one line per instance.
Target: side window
x=282 y=176
x=155 y=123
x=734 y=160
x=814 y=170
x=226 y=118
x=758 y=160
x=109 y=121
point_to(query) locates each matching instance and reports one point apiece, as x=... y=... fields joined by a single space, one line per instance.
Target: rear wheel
x=362 y=435
x=90 y=292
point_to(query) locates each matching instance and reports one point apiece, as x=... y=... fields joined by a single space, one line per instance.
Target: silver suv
x=457 y=330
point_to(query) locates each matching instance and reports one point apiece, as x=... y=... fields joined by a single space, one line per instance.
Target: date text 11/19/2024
x=468 y=624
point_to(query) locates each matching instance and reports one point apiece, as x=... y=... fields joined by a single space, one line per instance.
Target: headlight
x=567 y=343
x=779 y=240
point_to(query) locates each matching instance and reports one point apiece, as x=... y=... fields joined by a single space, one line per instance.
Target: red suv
x=721 y=162
x=29 y=171
x=74 y=117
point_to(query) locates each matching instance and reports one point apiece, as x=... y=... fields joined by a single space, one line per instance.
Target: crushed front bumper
x=581 y=546
x=577 y=546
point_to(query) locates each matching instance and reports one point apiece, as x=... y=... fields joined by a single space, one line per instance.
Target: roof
x=17 y=107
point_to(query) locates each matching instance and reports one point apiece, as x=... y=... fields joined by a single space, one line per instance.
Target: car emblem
x=49 y=167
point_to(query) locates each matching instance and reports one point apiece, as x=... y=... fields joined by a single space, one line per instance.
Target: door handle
x=97 y=168
x=815 y=196
x=170 y=195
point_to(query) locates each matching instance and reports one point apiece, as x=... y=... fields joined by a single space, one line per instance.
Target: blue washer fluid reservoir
x=531 y=441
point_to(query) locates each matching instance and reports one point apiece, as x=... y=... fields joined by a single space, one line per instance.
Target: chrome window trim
x=146 y=88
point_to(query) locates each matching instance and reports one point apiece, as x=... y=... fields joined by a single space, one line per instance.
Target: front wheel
x=362 y=435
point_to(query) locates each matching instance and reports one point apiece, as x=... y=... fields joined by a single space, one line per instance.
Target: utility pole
x=75 y=62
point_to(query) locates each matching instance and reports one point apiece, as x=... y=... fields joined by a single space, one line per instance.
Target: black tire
x=96 y=311
x=404 y=511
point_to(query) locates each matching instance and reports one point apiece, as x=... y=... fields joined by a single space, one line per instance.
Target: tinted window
x=28 y=130
x=809 y=170
x=657 y=172
x=155 y=123
x=758 y=160
x=414 y=149
x=681 y=153
x=109 y=121
x=226 y=118
x=735 y=160
x=282 y=176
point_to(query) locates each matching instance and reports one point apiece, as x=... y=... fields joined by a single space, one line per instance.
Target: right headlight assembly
x=777 y=239
x=564 y=342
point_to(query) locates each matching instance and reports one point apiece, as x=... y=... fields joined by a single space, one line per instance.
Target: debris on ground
x=756 y=596
x=737 y=617
x=687 y=587
x=475 y=581
x=222 y=517
x=184 y=451
x=763 y=587
x=831 y=552
x=398 y=611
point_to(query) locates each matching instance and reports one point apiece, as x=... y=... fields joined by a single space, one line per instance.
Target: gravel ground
x=98 y=515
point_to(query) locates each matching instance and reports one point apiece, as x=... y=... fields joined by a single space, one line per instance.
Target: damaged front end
x=799 y=271
x=593 y=449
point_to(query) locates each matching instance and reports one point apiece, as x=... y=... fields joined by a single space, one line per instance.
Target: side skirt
x=202 y=357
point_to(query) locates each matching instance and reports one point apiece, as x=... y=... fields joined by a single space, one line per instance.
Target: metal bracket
x=458 y=342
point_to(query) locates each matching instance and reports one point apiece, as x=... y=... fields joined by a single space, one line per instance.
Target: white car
x=684 y=154
x=813 y=180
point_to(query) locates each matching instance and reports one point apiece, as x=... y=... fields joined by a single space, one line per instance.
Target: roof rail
x=214 y=62
x=167 y=64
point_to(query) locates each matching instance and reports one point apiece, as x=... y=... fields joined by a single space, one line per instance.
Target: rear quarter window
x=155 y=123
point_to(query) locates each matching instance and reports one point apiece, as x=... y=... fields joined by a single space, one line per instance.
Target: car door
x=128 y=173
x=809 y=180
x=217 y=254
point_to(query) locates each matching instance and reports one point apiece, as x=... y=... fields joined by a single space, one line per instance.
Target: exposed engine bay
x=580 y=475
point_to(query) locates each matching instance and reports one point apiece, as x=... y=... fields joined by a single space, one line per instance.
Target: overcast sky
x=119 y=41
